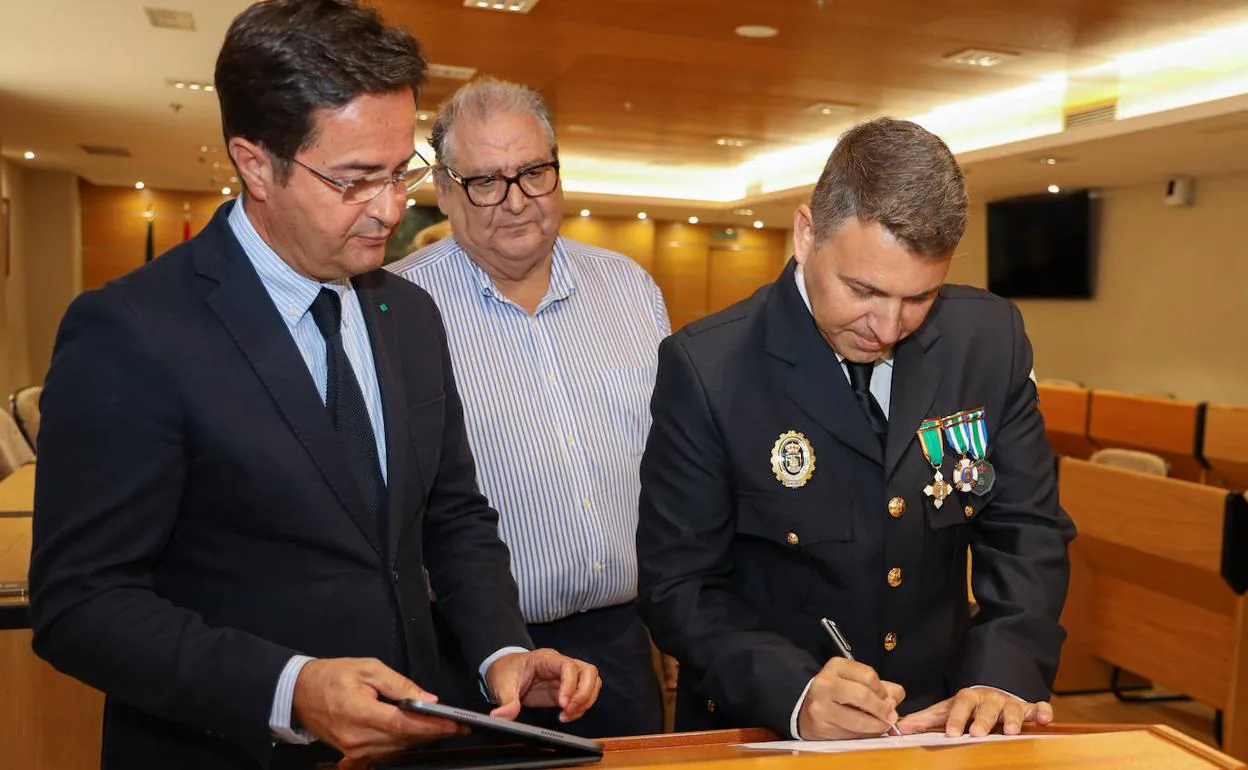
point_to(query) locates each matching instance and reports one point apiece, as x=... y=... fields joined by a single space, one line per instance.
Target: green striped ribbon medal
x=934 y=450
x=968 y=434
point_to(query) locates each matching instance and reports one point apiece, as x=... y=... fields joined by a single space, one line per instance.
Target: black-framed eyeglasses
x=488 y=190
x=362 y=189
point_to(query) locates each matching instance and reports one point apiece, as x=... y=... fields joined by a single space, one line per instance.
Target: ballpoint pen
x=842 y=645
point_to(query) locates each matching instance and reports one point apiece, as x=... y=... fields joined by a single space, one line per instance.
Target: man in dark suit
x=785 y=479
x=255 y=491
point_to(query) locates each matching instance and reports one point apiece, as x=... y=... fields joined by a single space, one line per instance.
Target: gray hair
x=481 y=99
x=897 y=174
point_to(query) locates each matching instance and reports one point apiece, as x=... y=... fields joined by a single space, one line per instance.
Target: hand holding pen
x=847 y=699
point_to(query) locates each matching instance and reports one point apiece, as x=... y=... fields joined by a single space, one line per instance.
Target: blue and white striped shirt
x=557 y=406
x=292 y=294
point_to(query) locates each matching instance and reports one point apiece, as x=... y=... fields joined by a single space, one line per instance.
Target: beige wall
x=44 y=269
x=51 y=223
x=1171 y=294
x=15 y=368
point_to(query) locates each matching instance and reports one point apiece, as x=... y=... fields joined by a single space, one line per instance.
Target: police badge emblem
x=792 y=459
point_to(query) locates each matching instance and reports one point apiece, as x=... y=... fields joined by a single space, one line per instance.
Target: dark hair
x=898 y=174
x=284 y=59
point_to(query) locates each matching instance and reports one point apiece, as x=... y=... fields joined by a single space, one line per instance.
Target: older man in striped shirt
x=554 y=345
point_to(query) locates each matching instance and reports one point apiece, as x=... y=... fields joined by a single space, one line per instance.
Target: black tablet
x=495 y=744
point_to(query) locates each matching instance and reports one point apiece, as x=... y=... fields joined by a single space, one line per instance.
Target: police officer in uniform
x=830 y=447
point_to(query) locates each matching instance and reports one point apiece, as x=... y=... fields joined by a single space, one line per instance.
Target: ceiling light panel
x=506 y=6
x=451 y=72
x=163 y=18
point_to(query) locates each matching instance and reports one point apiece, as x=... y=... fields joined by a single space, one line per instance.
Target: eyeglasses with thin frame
x=487 y=190
x=362 y=189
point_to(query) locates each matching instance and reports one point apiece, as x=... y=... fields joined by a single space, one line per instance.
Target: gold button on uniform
x=890 y=641
x=896 y=507
x=894 y=577
x=969 y=511
x=710 y=706
x=792 y=538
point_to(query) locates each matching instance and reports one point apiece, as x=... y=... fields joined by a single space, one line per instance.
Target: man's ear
x=255 y=168
x=803 y=234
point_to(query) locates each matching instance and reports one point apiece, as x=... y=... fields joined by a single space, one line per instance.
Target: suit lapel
x=248 y=314
x=916 y=381
x=816 y=383
x=383 y=338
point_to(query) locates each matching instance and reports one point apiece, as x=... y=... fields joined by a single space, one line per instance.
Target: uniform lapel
x=916 y=381
x=816 y=383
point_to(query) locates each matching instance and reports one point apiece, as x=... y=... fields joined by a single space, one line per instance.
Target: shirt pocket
x=625 y=394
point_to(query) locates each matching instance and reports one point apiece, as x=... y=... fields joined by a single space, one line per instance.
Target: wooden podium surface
x=17 y=492
x=1141 y=747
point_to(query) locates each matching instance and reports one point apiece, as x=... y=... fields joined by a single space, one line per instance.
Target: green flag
x=151 y=216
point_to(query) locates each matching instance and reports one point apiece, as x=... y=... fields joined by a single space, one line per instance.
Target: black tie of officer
x=860 y=381
x=345 y=402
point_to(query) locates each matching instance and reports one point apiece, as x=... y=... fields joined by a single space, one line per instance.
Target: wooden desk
x=1116 y=746
x=1225 y=445
x=1163 y=426
x=17 y=492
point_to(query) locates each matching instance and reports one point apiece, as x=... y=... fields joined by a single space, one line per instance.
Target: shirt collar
x=291 y=292
x=562 y=276
x=800 y=278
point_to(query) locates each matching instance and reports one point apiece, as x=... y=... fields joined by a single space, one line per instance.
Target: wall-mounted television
x=1043 y=246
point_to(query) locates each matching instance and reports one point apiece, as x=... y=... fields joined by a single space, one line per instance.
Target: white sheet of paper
x=918 y=740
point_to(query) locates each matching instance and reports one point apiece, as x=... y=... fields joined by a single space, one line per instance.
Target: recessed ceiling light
x=225 y=191
x=758 y=224
x=411 y=202
x=203 y=148
x=139 y=185
x=743 y=212
x=194 y=86
x=728 y=141
x=693 y=220
x=641 y=215
x=584 y=212
x=28 y=155
x=1054 y=188
x=756 y=31
x=210 y=88
x=423 y=116
x=979 y=57
x=179 y=84
x=831 y=108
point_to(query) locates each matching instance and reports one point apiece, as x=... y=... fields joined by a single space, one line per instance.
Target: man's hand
x=336 y=701
x=542 y=678
x=848 y=700
x=990 y=707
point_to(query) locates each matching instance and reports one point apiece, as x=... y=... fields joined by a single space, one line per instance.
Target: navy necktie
x=345 y=402
x=860 y=382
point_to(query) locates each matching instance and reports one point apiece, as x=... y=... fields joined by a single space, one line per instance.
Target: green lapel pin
x=384 y=307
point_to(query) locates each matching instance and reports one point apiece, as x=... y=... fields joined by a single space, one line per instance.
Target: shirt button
x=792 y=538
x=395 y=575
x=597 y=566
x=969 y=511
x=551 y=378
x=710 y=706
x=894 y=577
x=896 y=507
x=585 y=503
x=569 y=439
x=890 y=641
